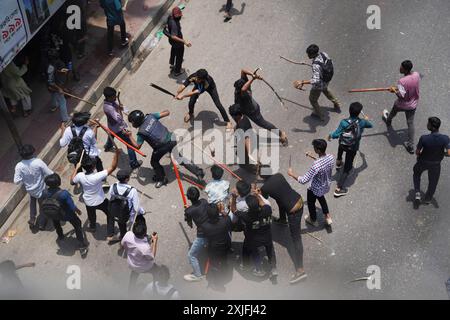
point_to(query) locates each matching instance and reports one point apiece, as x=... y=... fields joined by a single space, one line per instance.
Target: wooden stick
x=78 y=98
x=310 y=155
x=108 y=131
x=369 y=90
x=180 y=185
x=223 y=166
x=295 y=62
x=155 y=244
x=193 y=183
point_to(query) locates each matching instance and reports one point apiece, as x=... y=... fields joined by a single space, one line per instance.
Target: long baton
x=78 y=98
x=369 y=90
x=295 y=62
x=180 y=185
x=108 y=131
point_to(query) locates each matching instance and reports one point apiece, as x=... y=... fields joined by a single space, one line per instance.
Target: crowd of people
x=225 y=207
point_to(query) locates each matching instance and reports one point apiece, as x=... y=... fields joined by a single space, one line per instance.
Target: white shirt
x=89 y=140
x=93 y=194
x=217 y=191
x=139 y=253
x=32 y=173
x=133 y=198
x=160 y=291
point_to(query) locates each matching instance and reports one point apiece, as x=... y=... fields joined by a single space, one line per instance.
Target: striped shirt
x=317 y=81
x=319 y=175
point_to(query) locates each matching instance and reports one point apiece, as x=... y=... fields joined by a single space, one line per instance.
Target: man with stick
x=320 y=176
x=408 y=94
x=116 y=123
x=152 y=131
x=56 y=78
x=430 y=152
x=202 y=82
x=249 y=107
x=349 y=134
x=198 y=213
x=322 y=68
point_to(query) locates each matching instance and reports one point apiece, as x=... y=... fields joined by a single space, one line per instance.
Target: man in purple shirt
x=116 y=123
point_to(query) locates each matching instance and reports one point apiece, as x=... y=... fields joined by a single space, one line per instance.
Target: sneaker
x=409 y=147
x=280 y=221
x=309 y=221
x=274 y=272
x=179 y=73
x=83 y=252
x=337 y=107
x=298 y=277
x=328 y=221
x=342 y=192
x=339 y=164
x=193 y=278
x=137 y=165
x=125 y=43
x=417 y=200
x=159 y=184
x=427 y=200
x=32 y=222
x=258 y=273
x=385 y=117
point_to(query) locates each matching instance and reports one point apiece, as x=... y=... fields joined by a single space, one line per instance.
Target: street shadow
x=101 y=230
x=233 y=10
x=394 y=137
x=351 y=179
x=412 y=195
x=67 y=247
x=181 y=78
x=208 y=120
x=313 y=122
x=297 y=104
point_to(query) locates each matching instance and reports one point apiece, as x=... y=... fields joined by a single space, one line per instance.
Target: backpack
x=327 y=68
x=51 y=207
x=351 y=134
x=118 y=204
x=166 y=30
x=76 y=146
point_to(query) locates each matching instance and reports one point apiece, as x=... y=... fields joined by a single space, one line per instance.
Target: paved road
x=374 y=225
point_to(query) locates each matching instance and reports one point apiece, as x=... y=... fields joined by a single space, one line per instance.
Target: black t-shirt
x=247 y=104
x=199 y=214
x=433 y=147
x=208 y=84
x=257 y=226
x=218 y=234
x=174 y=27
x=278 y=188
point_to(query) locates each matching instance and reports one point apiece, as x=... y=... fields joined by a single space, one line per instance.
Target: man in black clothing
x=430 y=152
x=290 y=205
x=202 y=82
x=177 y=41
x=248 y=105
x=197 y=212
x=217 y=230
x=257 y=221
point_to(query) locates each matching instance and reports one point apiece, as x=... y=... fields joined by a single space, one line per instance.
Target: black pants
x=76 y=223
x=246 y=252
x=122 y=223
x=158 y=153
x=92 y=216
x=259 y=120
x=217 y=268
x=215 y=97
x=110 y=36
x=176 y=56
x=311 y=198
x=282 y=211
x=229 y=5
x=294 y=220
x=258 y=253
x=348 y=164
x=434 y=172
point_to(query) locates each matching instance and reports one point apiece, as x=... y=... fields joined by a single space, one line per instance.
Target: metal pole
x=10 y=122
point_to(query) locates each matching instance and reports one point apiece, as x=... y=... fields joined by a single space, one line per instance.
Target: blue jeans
x=58 y=100
x=197 y=246
x=131 y=153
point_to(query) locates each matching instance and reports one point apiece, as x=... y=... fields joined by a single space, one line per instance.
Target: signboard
x=20 y=20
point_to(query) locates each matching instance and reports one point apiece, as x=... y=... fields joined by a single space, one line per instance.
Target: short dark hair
x=27 y=151
x=163 y=274
x=193 y=194
x=320 y=145
x=434 y=122
x=88 y=164
x=238 y=84
x=355 y=109
x=123 y=175
x=53 y=181
x=80 y=118
x=140 y=228
x=202 y=74
x=109 y=92
x=312 y=50
x=253 y=204
x=407 y=65
x=217 y=172
x=235 y=110
x=213 y=213
x=243 y=188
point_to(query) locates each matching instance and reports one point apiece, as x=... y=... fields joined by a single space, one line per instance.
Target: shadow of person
x=351 y=179
x=208 y=120
x=233 y=11
x=67 y=247
x=313 y=122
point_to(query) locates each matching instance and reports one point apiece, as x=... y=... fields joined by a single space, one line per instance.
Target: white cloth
x=93 y=194
x=32 y=173
x=139 y=253
x=133 y=198
x=89 y=140
x=161 y=291
x=217 y=191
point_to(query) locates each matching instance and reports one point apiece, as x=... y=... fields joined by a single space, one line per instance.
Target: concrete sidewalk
x=97 y=70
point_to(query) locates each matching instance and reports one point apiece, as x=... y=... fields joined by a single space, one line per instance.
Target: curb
x=52 y=153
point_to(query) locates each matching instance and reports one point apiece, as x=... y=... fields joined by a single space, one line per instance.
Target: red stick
x=180 y=185
x=193 y=183
x=207 y=266
x=120 y=139
x=223 y=166
x=369 y=90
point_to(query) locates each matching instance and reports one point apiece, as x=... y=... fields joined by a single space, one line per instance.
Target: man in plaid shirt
x=320 y=176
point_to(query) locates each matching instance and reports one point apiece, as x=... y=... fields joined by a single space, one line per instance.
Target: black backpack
x=327 y=68
x=166 y=30
x=51 y=207
x=351 y=134
x=76 y=146
x=118 y=204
